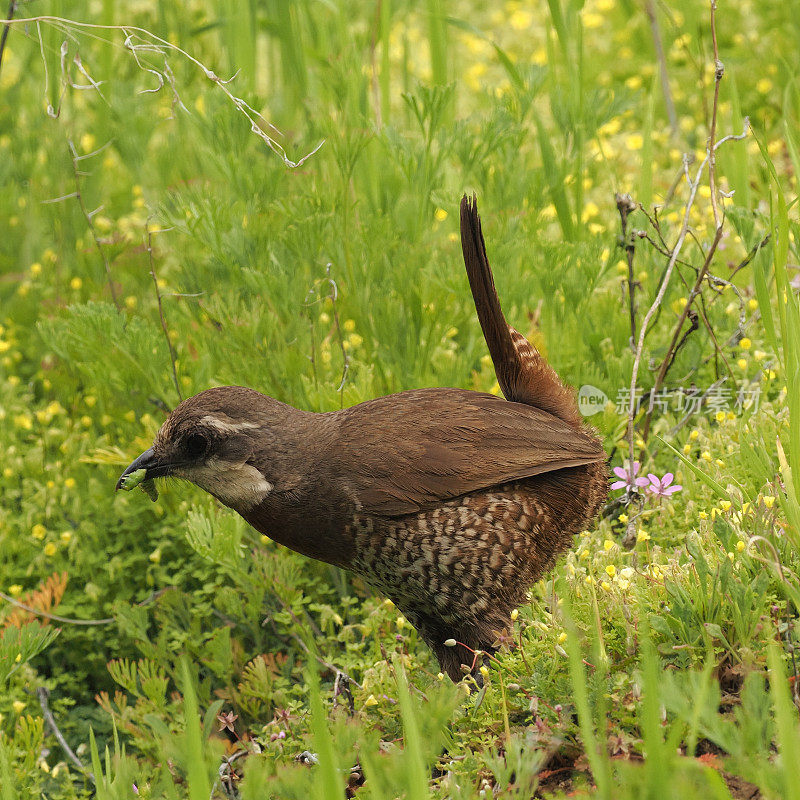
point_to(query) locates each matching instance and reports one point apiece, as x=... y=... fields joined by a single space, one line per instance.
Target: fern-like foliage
x=45 y=597
x=254 y=694
x=19 y=644
x=93 y=335
x=143 y=679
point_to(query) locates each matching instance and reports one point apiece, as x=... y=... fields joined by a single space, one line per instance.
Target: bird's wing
x=406 y=452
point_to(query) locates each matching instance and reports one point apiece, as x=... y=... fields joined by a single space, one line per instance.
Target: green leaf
x=716 y=487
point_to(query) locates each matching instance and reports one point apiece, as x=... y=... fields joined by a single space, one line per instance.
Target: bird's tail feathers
x=522 y=372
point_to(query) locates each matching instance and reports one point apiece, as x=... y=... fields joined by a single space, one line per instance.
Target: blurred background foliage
x=152 y=245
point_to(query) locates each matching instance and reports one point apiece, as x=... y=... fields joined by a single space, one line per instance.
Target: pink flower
x=661 y=487
x=629 y=480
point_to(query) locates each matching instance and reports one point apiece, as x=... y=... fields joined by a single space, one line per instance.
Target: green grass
x=664 y=666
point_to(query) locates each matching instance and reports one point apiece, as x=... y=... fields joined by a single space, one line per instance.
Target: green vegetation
x=152 y=245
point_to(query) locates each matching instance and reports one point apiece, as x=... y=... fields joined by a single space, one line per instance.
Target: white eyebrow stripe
x=228 y=427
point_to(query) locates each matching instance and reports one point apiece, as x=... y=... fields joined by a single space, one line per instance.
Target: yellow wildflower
x=764 y=85
x=23 y=421
x=521 y=20
x=592 y=21
x=590 y=210
x=635 y=141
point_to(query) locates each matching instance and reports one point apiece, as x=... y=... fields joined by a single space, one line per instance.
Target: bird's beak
x=149 y=463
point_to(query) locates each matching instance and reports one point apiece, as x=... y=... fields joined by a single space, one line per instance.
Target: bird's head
x=222 y=440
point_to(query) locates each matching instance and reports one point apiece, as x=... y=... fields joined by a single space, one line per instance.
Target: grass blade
x=199 y=787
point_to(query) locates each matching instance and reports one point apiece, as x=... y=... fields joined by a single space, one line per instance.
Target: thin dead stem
x=625 y=206
x=173 y=358
x=68 y=620
x=306 y=649
x=140 y=41
x=693 y=183
x=42 y=695
x=88 y=215
x=334 y=296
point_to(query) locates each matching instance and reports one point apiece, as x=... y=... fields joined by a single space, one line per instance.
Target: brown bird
x=451 y=502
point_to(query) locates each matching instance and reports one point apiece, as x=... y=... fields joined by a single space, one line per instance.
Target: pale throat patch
x=238 y=485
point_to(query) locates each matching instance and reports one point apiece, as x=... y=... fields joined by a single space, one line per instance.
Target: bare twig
x=69 y=621
x=299 y=623
x=306 y=649
x=42 y=694
x=686 y=417
x=172 y=355
x=710 y=159
x=626 y=206
x=141 y=41
x=334 y=296
x=750 y=256
x=88 y=216
x=225 y=775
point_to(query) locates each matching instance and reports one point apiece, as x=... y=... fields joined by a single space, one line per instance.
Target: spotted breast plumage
x=450 y=502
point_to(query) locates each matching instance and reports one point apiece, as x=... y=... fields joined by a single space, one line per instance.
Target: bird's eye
x=195 y=445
